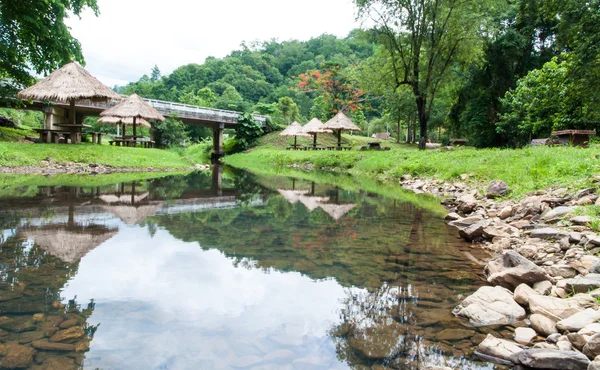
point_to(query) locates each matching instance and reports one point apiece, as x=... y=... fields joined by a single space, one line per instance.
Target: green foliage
x=289 y=109
x=35 y=37
x=11 y=134
x=171 y=133
x=545 y=100
x=247 y=131
x=28 y=118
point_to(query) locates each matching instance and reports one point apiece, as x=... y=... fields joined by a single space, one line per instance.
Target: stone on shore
x=543 y=325
x=497 y=188
x=592 y=347
x=556 y=213
x=544 y=233
x=525 y=335
x=72 y=333
x=579 y=320
x=554 y=308
x=581 y=220
x=583 y=284
x=17 y=356
x=522 y=294
x=505 y=212
x=543 y=287
x=497 y=350
x=551 y=359
x=512 y=269
x=51 y=346
x=490 y=306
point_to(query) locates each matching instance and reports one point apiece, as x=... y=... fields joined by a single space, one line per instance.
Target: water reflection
x=229 y=270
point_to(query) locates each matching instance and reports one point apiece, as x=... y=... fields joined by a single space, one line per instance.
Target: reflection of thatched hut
x=337 y=211
x=124 y=199
x=312 y=202
x=133 y=107
x=133 y=215
x=292 y=196
x=69 y=243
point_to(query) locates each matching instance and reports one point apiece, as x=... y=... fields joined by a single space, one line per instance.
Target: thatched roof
x=337 y=211
x=67 y=244
x=69 y=82
x=133 y=106
x=314 y=126
x=132 y=215
x=295 y=129
x=128 y=121
x=124 y=198
x=292 y=196
x=312 y=202
x=341 y=122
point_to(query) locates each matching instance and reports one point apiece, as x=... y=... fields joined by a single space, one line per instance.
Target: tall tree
x=425 y=39
x=33 y=36
x=288 y=109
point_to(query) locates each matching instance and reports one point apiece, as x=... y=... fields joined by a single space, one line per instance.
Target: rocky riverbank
x=545 y=278
x=49 y=166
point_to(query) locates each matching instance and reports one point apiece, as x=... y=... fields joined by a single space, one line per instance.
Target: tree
x=424 y=40
x=171 y=133
x=339 y=90
x=289 y=109
x=33 y=36
x=204 y=97
x=155 y=74
x=231 y=99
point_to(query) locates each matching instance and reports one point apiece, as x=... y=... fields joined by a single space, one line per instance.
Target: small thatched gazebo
x=314 y=127
x=295 y=130
x=68 y=84
x=340 y=123
x=123 y=121
x=133 y=107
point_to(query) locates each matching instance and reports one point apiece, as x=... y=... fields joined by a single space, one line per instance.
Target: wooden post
x=339 y=135
x=217 y=142
x=134 y=138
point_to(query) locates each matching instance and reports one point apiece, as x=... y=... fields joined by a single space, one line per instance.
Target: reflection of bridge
x=216 y=119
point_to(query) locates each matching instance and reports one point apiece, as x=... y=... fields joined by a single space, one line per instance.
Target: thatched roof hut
x=295 y=130
x=133 y=107
x=126 y=121
x=340 y=122
x=314 y=127
x=68 y=83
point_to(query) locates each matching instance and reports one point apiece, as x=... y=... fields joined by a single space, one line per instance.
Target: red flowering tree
x=340 y=92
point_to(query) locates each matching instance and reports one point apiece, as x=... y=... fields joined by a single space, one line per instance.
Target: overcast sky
x=131 y=36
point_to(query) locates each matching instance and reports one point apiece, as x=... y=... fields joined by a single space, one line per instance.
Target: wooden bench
x=96 y=137
x=53 y=136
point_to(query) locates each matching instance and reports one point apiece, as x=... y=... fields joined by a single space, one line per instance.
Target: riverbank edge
x=50 y=167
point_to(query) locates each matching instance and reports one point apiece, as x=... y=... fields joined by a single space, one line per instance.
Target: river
x=230 y=270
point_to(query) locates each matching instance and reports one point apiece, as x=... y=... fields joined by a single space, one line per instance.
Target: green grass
x=8 y=134
x=525 y=170
x=274 y=141
x=19 y=154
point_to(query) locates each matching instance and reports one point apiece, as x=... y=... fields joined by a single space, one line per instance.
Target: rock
x=556 y=213
x=490 y=306
x=554 y=308
x=574 y=237
x=497 y=188
x=527 y=251
x=553 y=338
x=512 y=269
x=542 y=325
x=543 y=233
x=551 y=359
x=17 y=356
x=565 y=271
x=71 y=333
x=68 y=323
x=502 y=231
x=466 y=208
x=590 y=329
x=583 y=284
x=406 y=177
x=564 y=345
x=592 y=347
x=522 y=294
x=50 y=346
x=579 y=320
x=577 y=340
x=594 y=365
x=454 y=334
x=581 y=220
x=497 y=350
x=452 y=217
x=474 y=231
x=543 y=287
x=590 y=263
x=505 y=212
x=466 y=222
x=525 y=335
x=386 y=343
x=30 y=336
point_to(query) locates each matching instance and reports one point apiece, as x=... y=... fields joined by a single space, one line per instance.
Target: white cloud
x=169 y=304
x=131 y=36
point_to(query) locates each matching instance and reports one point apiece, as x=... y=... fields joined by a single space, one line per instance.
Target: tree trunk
x=422 y=115
x=398 y=137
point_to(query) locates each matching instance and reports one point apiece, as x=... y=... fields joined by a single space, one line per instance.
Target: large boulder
x=554 y=308
x=497 y=350
x=525 y=335
x=497 y=188
x=579 y=320
x=556 y=213
x=512 y=269
x=490 y=306
x=551 y=359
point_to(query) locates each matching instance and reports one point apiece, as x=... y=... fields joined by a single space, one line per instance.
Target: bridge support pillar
x=217 y=175
x=217 y=142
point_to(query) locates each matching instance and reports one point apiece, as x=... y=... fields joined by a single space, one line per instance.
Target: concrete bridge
x=216 y=119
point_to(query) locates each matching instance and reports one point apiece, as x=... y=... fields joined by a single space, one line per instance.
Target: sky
x=129 y=37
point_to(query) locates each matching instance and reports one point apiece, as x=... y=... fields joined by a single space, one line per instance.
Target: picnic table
x=75 y=129
x=373 y=145
x=133 y=141
x=53 y=136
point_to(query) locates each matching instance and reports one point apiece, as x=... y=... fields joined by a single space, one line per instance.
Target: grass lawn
x=21 y=154
x=525 y=170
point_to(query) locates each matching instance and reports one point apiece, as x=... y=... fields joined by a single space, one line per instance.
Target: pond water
x=229 y=270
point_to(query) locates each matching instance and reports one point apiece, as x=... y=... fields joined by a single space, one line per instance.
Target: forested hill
x=257 y=76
